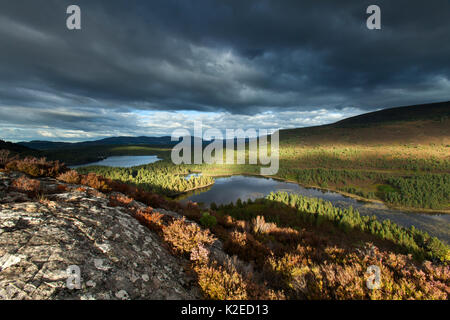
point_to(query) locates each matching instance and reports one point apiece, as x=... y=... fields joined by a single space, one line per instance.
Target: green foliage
x=386 y=188
x=207 y=220
x=422 y=190
x=414 y=241
x=320 y=176
x=213 y=206
x=160 y=177
x=430 y=191
x=353 y=190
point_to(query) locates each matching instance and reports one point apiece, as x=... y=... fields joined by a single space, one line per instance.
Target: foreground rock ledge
x=118 y=258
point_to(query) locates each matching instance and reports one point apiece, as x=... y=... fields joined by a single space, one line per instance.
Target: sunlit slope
x=399 y=155
x=413 y=138
x=421 y=124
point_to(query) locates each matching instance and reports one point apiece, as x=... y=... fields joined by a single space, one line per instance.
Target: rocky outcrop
x=45 y=241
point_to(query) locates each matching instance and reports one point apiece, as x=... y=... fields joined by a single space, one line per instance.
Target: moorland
x=291 y=246
x=400 y=156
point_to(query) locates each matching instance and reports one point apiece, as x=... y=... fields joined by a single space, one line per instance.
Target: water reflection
x=229 y=189
x=122 y=161
x=195 y=175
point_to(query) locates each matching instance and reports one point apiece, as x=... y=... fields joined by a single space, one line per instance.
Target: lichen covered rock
x=46 y=240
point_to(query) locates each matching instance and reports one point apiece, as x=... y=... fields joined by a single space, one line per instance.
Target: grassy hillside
x=399 y=155
x=432 y=111
x=422 y=124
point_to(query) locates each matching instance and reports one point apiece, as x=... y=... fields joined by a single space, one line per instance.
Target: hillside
x=111 y=141
x=16 y=148
x=420 y=124
x=400 y=156
x=432 y=111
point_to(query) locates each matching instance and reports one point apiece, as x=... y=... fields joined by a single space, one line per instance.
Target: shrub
x=4 y=157
x=207 y=220
x=19 y=165
x=261 y=226
x=94 y=181
x=218 y=283
x=246 y=247
x=184 y=236
x=70 y=176
x=37 y=167
x=231 y=279
x=290 y=271
x=119 y=200
x=200 y=254
x=27 y=185
x=414 y=241
x=148 y=217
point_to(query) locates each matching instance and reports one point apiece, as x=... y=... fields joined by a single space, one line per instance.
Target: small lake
x=122 y=161
x=229 y=189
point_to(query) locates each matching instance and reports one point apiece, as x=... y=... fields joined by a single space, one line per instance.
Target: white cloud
x=105 y=123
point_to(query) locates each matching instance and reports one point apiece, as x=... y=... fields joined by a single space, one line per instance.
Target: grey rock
x=117 y=257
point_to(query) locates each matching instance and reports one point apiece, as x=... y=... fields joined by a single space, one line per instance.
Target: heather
x=284 y=246
x=35 y=167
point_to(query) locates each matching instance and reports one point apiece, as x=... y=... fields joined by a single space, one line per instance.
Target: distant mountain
x=143 y=140
x=164 y=141
x=420 y=123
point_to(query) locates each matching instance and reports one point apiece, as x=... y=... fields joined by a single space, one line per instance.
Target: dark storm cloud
x=239 y=57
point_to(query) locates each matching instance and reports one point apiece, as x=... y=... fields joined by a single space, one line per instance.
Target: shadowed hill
x=15 y=148
x=112 y=141
x=420 y=124
x=434 y=111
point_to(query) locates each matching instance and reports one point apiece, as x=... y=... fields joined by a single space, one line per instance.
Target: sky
x=146 y=67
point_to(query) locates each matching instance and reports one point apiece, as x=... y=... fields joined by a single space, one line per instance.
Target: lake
x=122 y=161
x=229 y=189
